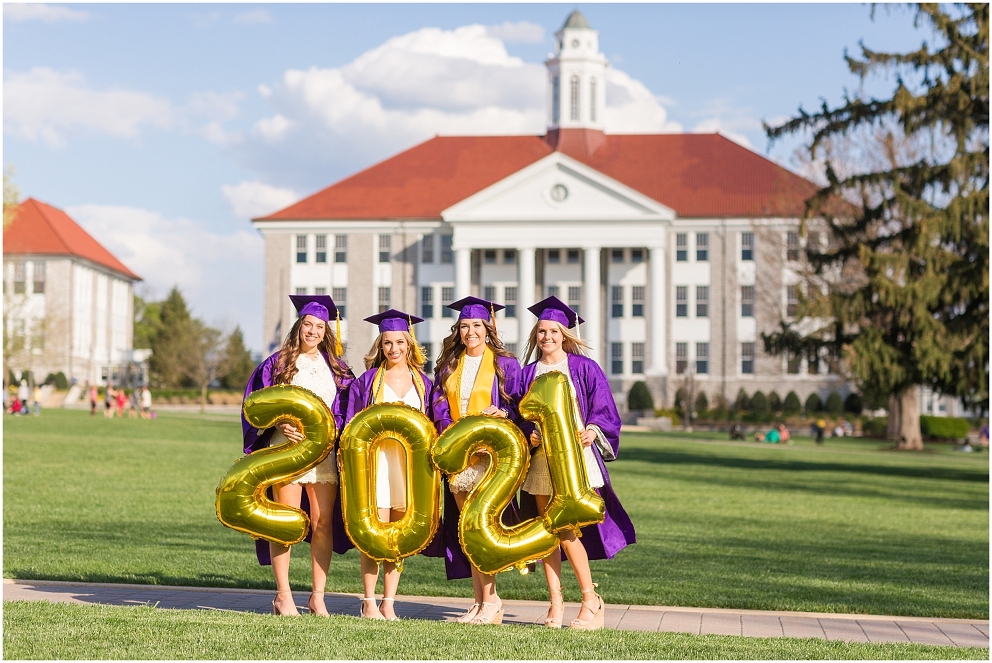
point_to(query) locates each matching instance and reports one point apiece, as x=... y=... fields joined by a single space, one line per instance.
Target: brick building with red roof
x=677 y=249
x=68 y=301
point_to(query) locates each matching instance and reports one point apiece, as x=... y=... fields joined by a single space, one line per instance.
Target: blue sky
x=163 y=128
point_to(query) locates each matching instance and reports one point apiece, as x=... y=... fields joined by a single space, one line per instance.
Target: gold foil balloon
x=409 y=535
x=241 y=500
x=488 y=543
x=551 y=405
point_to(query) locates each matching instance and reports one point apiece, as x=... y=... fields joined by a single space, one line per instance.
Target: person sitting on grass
x=772 y=437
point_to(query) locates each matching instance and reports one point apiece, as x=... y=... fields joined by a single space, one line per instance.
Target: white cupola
x=576 y=77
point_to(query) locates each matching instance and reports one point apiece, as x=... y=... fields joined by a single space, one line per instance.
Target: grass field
x=842 y=528
x=54 y=631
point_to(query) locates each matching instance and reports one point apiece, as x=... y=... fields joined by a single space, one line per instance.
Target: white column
x=658 y=307
x=591 y=308
x=463 y=273
x=526 y=282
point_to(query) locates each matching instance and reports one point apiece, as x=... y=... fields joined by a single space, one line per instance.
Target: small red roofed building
x=677 y=249
x=68 y=302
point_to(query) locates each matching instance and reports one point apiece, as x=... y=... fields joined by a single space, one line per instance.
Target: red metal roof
x=697 y=175
x=40 y=229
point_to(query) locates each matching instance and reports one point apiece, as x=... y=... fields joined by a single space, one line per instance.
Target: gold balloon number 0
x=241 y=501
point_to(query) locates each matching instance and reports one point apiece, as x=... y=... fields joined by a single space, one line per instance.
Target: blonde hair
x=376 y=357
x=570 y=343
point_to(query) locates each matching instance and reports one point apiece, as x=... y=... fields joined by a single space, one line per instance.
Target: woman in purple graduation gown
x=558 y=349
x=394 y=375
x=475 y=374
x=310 y=357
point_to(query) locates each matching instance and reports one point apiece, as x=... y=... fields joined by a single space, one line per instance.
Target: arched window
x=555 y=101
x=592 y=99
x=574 y=108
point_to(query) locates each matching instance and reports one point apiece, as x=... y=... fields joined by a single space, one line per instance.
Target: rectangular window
x=572 y=255
x=447 y=255
x=509 y=256
x=511 y=348
x=616 y=255
x=554 y=256
x=792 y=365
x=637 y=255
x=39 y=277
x=747 y=301
x=747 y=358
x=702 y=358
x=429 y=354
x=681 y=301
x=681 y=357
x=426 y=302
x=575 y=298
x=340 y=297
x=510 y=300
x=553 y=291
x=702 y=247
x=320 y=291
x=489 y=256
x=384 y=299
x=791 y=300
x=320 y=247
x=616 y=358
x=681 y=247
x=301 y=291
x=427 y=249
x=301 y=248
x=489 y=293
x=637 y=301
x=702 y=301
x=447 y=296
x=747 y=246
x=385 y=248
x=616 y=301
x=792 y=245
x=340 y=248
x=636 y=357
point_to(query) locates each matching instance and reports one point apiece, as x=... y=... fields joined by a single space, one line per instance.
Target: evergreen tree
x=237 y=360
x=173 y=343
x=702 y=403
x=853 y=403
x=835 y=404
x=759 y=404
x=813 y=404
x=774 y=402
x=791 y=407
x=909 y=233
x=742 y=403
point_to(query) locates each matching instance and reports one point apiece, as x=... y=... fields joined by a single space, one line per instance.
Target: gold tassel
x=492 y=318
x=338 y=348
x=417 y=350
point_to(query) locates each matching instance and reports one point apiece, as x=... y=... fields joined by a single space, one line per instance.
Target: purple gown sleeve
x=595 y=398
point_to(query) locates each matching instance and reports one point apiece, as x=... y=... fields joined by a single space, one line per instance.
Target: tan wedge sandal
x=598 y=614
x=556 y=600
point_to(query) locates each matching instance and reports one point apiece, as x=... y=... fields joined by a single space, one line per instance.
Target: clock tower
x=576 y=77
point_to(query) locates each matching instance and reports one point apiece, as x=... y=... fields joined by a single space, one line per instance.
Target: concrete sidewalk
x=697 y=621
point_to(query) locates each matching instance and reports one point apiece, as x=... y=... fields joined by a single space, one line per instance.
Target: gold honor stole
x=482 y=389
x=380 y=378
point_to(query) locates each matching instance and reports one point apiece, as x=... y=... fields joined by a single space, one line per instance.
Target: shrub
x=639 y=397
x=58 y=379
x=681 y=396
x=835 y=404
x=791 y=407
x=742 y=403
x=774 y=402
x=719 y=410
x=813 y=404
x=671 y=413
x=853 y=403
x=876 y=428
x=702 y=403
x=944 y=428
x=759 y=403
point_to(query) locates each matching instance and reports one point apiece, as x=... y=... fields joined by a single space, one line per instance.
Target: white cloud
x=41 y=12
x=632 y=108
x=255 y=17
x=719 y=115
x=220 y=275
x=716 y=125
x=521 y=31
x=249 y=200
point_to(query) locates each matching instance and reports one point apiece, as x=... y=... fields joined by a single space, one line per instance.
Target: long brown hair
x=289 y=352
x=570 y=343
x=453 y=348
x=376 y=357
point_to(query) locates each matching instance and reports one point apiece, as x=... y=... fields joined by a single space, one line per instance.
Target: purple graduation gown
x=456 y=564
x=360 y=397
x=255 y=439
x=596 y=405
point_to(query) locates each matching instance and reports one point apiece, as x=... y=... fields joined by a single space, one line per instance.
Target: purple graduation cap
x=555 y=309
x=475 y=308
x=319 y=306
x=393 y=320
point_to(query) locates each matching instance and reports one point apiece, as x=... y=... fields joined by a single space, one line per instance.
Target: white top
x=314 y=374
x=146 y=398
x=469 y=373
x=412 y=398
x=562 y=367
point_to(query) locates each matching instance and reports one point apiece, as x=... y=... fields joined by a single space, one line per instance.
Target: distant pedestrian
x=94 y=397
x=23 y=393
x=121 y=397
x=736 y=432
x=108 y=402
x=134 y=406
x=819 y=428
x=783 y=434
x=36 y=400
x=146 y=403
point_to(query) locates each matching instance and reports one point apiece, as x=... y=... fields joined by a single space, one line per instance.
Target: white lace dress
x=314 y=374
x=390 y=475
x=470 y=477
x=538 y=480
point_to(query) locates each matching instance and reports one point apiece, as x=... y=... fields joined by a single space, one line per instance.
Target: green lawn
x=65 y=631
x=846 y=527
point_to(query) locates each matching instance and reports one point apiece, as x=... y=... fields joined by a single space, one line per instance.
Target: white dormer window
x=592 y=100
x=574 y=107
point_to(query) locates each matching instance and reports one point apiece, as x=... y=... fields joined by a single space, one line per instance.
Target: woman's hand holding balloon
x=535 y=438
x=291 y=432
x=587 y=437
x=494 y=411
